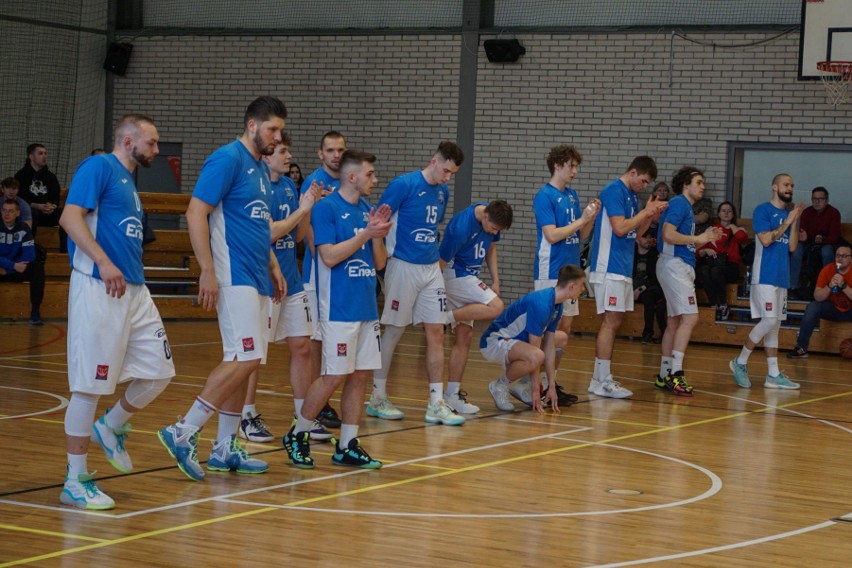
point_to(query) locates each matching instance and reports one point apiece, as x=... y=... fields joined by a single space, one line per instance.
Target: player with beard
x=776 y=235
x=228 y=218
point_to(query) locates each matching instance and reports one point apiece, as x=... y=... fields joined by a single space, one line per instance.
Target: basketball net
x=836 y=76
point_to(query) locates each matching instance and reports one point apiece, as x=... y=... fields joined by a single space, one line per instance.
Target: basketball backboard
x=826 y=35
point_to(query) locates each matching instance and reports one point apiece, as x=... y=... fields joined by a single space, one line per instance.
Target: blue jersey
x=17 y=244
x=237 y=186
x=771 y=264
x=282 y=203
x=105 y=187
x=533 y=314
x=465 y=242
x=611 y=253
x=346 y=292
x=330 y=184
x=679 y=214
x=560 y=208
x=417 y=209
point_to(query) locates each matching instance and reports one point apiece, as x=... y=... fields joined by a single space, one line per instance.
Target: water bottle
x=836 y=289
x=747 y=282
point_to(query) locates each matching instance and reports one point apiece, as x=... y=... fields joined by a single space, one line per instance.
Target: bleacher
x=171 y=270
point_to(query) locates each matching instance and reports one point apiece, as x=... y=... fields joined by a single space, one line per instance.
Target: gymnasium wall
x=614 y=95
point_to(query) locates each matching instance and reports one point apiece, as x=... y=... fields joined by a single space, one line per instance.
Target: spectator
x=703 y=212
x=18 y=259
x=9 y=189
x=662 y=191
x=40 y=188
x=719 y=260
x=646 y=288
x=97 y=151
x=296 y=175
x=819 y=231
x=832 y=299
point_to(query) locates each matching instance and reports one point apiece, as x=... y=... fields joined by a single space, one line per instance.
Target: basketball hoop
x=836 y=76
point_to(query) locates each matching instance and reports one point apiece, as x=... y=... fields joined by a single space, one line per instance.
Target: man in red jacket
x=819 y=231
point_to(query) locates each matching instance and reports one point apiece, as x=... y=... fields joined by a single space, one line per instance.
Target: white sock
x=453 y=387
x=665 y=366
x=601 y=369
x=249 y=410
x=744 y=355
x=200 y=412
x=117 y=417
x=302 y=424
x=298 y=402
x=228 y=424
x=380 y=388
x=347 y=433
x=772 y=363
x=77 y=464
x=435 y=392
x=677 y=361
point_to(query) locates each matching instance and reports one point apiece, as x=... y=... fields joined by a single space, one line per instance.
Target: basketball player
x=228 y=220
x=414 y=286
x=526 y=336
x=776 y=235
x=676 y=243
x=470 y=237
x=611 y=262
x=115 y=333
x=348 y=237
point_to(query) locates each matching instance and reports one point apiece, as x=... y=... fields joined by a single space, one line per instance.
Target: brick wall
x=397 y=96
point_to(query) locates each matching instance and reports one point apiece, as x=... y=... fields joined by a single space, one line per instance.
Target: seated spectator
x=819 y=231
x=703 y=212
x=719 y=260
x=646 y=288
x=9 y=188
x=40 y=188
x=832 y=299
x=18 y=259
x=296 y=175
x=662 y=191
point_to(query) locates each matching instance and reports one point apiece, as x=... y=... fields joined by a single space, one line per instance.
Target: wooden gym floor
x=731 y=477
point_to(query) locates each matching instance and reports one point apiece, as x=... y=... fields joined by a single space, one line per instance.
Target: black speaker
x=117 y=58
x=503 y=50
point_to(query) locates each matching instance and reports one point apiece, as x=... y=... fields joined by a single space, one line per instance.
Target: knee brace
x=80 y=414
x=771 y=339
x=763 y=328
x=141 y=392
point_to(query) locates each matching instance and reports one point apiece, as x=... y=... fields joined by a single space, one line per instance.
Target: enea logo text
x=357 y=268
x=259 y=210
x=285 y=243
x=423 y=236
x=132 y=227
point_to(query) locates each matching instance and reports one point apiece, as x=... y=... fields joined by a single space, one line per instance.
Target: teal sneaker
x=354 y=456
x=83 y=493
x=381 y=407
x=740 y=374
x=229 y=455
x=112 y=442
x=181 y=440
x=782 y=381
x=298 y=448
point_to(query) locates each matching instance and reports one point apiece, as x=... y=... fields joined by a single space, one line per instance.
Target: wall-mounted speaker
x=117 y=58
x=503 y=50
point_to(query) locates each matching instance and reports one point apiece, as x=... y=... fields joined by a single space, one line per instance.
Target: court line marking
x=50 y=533
x=715 y=487
x=722 y=548
x=63 y=402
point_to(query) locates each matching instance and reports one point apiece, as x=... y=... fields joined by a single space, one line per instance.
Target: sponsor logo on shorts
x=613 y=301
x=248 y=344
x=395 y=305
x=341 y=350
x=691 y=300
x=102 y=373
x=768 y=306
x=483 y=285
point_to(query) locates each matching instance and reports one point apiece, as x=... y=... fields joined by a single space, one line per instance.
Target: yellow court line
x=410 y=480
x=140 y=536
x=50 y=533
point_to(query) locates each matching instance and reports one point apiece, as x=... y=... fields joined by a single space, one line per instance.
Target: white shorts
x=677 y=279
x=464 y=290
x=291 y=318
x=243 y=323
x=113 y=340
x=414 y=293
x=768 y=302
x=570 y=308
x=613 y=292
x=313 y=306
x=497 y=349
x=351 y=346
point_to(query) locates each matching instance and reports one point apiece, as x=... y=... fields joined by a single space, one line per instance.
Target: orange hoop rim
x=843 y=68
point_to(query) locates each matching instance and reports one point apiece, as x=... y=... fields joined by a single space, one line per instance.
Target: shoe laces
x=237 y=448
x=257 y=423
x=317 y=426
x=121 y=434
x=87 y=481
x=462 y=395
